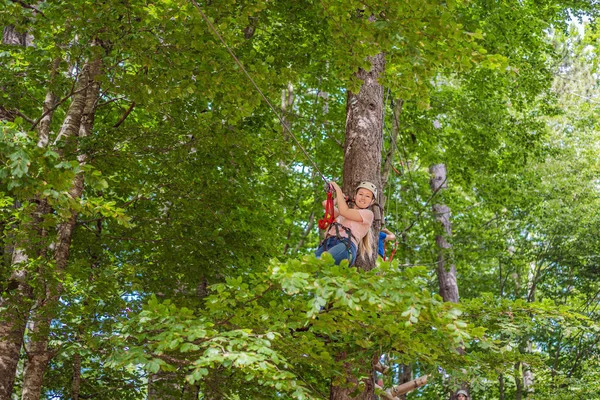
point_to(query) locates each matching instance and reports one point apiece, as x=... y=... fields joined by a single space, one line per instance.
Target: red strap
x=329 y=212
x=393 y=252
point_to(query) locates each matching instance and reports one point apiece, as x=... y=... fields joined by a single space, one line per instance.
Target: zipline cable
x=283 y=123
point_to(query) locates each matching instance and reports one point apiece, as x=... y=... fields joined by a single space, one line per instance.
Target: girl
x=352 y=228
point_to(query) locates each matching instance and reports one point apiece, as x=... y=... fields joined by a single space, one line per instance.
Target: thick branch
x=409 y=386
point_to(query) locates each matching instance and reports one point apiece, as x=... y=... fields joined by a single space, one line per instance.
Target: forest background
x=158 y=219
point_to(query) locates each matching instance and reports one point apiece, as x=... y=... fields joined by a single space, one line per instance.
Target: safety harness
x=328 y=221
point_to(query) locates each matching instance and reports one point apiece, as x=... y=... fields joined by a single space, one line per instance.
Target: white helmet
x=463 y=392
x=369 y=186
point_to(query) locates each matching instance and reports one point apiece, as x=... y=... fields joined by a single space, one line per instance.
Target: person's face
x=461 y=397
x=364 y=197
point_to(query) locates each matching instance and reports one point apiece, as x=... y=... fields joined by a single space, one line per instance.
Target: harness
x=347 y=240
x=329 y=221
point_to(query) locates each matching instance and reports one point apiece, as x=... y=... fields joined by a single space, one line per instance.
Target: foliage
x=281 y=327
x=189 y=197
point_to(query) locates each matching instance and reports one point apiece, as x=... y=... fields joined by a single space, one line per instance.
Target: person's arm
x=389 y=235
x=343 y=208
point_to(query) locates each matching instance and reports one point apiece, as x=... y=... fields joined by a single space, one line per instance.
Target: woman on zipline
x=352 y=227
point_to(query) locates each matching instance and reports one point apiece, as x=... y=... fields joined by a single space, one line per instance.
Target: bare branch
x=124 y=117
x=29 y=6
x=11 y=113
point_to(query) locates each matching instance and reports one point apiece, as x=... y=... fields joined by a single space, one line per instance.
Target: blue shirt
x=381 y=244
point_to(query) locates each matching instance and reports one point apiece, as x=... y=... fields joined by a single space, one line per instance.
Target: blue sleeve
x=380 y=245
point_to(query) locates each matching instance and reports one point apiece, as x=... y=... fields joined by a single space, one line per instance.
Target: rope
x=257 y=88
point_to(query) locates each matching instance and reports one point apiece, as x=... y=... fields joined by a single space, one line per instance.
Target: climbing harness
x=347 y=240
x=329 y=221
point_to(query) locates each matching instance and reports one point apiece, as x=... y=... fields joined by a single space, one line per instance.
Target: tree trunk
x=362 y=162
x=446 y=276
x=15 y=303
x=48 y=109
x=10 y=36
x=287 y=102
x=448 y=286
x=364 y=141
x=349 y=388
x=76 y=385
x=18 y=298
x=518 y=382
x=15 y=298
x=78 y=122
x=405 y=376
x=527 y=380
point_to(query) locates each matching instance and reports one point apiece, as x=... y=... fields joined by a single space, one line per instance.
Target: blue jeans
x=338 y=249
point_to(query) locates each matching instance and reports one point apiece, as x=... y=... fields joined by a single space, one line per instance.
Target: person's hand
x=337 y=188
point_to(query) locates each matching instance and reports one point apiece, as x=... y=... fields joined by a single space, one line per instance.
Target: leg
x=340 y=252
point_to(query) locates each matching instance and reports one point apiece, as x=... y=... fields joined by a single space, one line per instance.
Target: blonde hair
x=365 y=247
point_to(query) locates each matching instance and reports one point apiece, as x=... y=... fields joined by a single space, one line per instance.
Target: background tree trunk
x=16 y=297
x=446 y=276
x=448 y=286
x=76 y=385
x=78 y=122
x=15 y=301
x=405 y=375
x=10 y=36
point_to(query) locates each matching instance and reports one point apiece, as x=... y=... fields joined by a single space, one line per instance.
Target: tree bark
x=15 y=302
x=10 y=36
x=364 y=141
x=518 y=382
x=405 y=376
x=48 y=109
x=448 y=286
x=287 y=102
